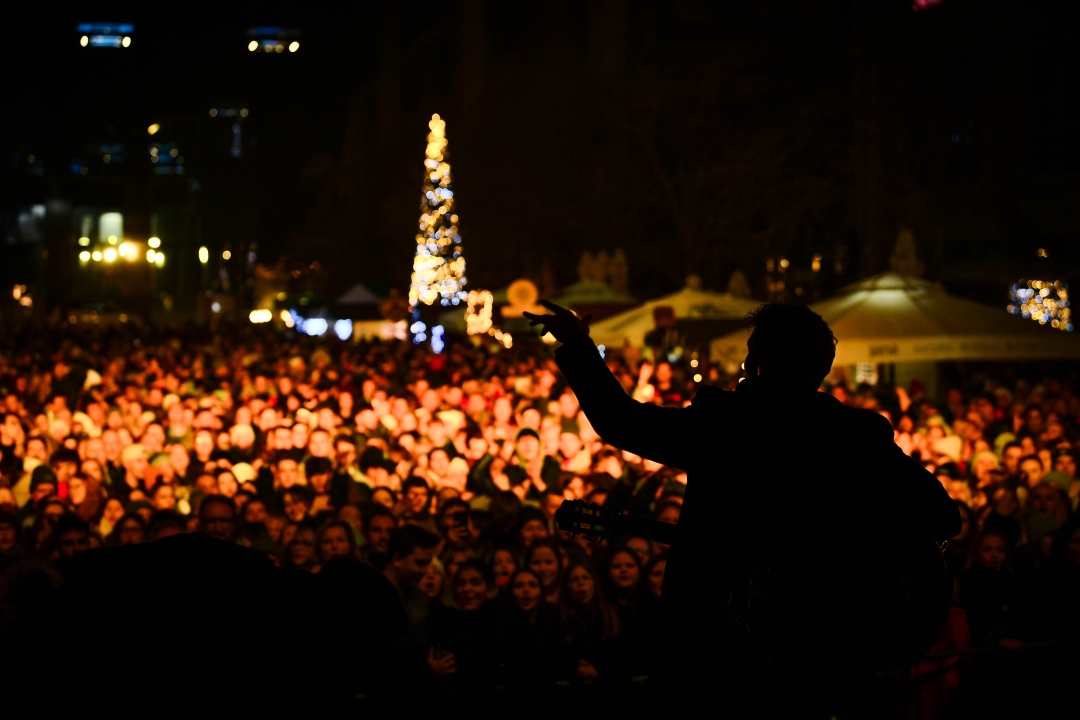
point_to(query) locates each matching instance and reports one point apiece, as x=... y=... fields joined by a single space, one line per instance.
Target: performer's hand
x=562 y=323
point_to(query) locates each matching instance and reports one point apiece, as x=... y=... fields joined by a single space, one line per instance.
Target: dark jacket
x=798 y=485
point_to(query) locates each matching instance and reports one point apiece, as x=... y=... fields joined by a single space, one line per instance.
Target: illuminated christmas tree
x=439 y=265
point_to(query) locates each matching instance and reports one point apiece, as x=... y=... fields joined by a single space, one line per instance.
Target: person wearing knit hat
x=532 y=524
x=532 y=470
x=43 y=483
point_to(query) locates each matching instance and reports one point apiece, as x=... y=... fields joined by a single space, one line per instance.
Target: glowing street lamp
x=204 y=255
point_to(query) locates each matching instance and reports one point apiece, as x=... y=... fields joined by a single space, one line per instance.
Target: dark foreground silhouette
x=201 y=624
x=799 y=619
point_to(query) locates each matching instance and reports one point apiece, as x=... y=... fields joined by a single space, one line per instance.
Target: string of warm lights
x=439 y=265
x=1044 y=301
x=478 y=318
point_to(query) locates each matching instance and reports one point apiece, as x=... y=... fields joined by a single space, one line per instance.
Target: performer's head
x=790 y=348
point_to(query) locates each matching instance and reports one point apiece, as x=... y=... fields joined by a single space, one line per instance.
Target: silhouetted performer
x=779 y=593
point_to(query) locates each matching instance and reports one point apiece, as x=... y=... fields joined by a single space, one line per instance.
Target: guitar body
x=918 y=568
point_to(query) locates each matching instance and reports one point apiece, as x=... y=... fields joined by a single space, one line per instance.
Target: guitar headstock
x=578 y=517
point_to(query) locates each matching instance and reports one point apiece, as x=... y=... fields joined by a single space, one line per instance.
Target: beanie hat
x=42 y=475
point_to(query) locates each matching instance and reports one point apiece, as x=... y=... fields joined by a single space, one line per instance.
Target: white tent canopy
x=891 y=318
x=630 y=327
x=358 y=294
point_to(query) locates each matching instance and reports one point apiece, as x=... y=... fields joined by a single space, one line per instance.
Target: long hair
x=554 y=546
x=346 y=528
x=595 y=614
x=976 y=543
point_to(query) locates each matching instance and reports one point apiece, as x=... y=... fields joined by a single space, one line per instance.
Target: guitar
x=590 y=520
x=912 y=570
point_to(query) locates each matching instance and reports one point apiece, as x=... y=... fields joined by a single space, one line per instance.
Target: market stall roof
x=358 y=294
x=587 y=292
x=892 y=318
x=631 y=326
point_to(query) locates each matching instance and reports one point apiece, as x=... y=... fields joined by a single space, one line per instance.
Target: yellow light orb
x=154 y=242
x=110 y=255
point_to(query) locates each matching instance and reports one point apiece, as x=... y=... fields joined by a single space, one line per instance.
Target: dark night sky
x=696 y=136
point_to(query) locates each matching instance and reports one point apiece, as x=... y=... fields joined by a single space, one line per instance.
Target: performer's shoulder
x=870 y=422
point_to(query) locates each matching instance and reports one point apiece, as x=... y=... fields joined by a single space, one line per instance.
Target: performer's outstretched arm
x=657 y=433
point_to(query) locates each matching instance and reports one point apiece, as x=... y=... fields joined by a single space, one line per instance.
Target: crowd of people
x=444 y=471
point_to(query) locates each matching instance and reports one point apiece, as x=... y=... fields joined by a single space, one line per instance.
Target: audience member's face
x=1011 y=459
x=477 y=448
x=320 y=482
x=669 y=514
x=295 y=507
x=204 y=444
x=527 y=592
x=412 y=567
x=35 y=448
x=77 y=490
x=275 y=525
x=439 y=463
x=504 y=566
x=300 y=435
x=216 y=519
x=581 y=585
x=656 y=578
x=545 y=563
x=416 y=499
x=73 y=542
x=533 y=530
x=1066 y=464
x=319 y=445
x=130 y=532
x=283 y=439
x=569 y=444
x=1032 y=470
x=227 y=484
x=432 y=582
x=334 y=543
x=287 y=473
x=302 y=546
x=992 y=552
x=624 y=571
x=378 y=533
x=529 y=447
x=164 y=497
x=8 y=536
x=1043 y=499
x=114 y=510
x=254 y=512
x=470 y=589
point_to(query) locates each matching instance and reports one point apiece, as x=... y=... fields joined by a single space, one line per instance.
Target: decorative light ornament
x=1044 y=301
x=439 y=264
x=478 y=312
